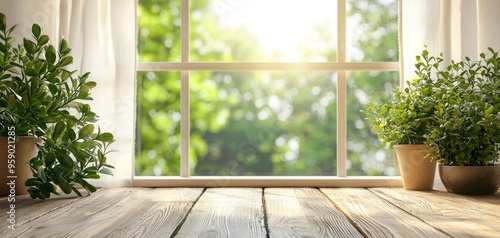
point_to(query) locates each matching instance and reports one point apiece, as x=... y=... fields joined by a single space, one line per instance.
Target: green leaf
x=33 y=193
x=41 y=174
x=89 y=187
x=80 y=155
x=65 y=61
x=106 y=171
x=84 y=145
x=31 y=72
x=65 y=160
x=92 y=169
x=44 y=194
x=3 y=22
x=92 y=176
x=50 y=57
x=76 y=191
x=91 y=84
x=54 y=105
x=85 y=108
x=72 y=134
x=44 y=39
x=65 y=172
x=50 y=159
x=105 y=137
x=86 y=185
x=58 y=130
x=49 y=187
x=33 y=182
x=36 y=30
x=56 y=177
x=108 y=166
x=63 y=45
x=75 y=104
x=84 y=92
x=86 y=131
x=101 y=157
x=65 y=75
x=36 y=163
x=51 y=48
x=65 y=187
x=29 y=46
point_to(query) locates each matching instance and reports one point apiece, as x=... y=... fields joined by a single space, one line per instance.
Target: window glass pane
x=159 y=30
x=263 y=123
x=158 y=123
x=364 y=150
x=372 y=30
x=263 y=30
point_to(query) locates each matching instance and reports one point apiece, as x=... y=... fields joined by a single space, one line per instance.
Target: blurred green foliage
x=261 y=122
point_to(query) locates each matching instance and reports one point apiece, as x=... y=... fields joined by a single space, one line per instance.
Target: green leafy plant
x=40 y=96
x=467 y=116
x=405 y=118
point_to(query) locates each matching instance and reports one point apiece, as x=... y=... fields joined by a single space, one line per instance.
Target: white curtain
x=458 y=28
x=102 y=35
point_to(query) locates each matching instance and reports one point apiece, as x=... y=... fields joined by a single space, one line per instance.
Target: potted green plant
x=465 y=138
x=402 y=121
x=42 y=100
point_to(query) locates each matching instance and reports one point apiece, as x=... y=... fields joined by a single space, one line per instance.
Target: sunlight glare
x=283 y=27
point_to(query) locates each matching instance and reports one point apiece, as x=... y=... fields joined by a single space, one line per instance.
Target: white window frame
x=341 y=66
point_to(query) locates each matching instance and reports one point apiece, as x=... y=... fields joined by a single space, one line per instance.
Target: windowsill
x=267 y=181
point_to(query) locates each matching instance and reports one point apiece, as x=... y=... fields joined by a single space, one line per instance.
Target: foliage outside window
x=262 y=122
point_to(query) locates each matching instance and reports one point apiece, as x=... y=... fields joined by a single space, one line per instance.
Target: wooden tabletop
x=255 y=212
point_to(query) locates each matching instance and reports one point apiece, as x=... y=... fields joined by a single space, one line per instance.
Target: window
x=259 y=88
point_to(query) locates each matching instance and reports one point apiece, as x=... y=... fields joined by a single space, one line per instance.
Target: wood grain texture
x=226 y=212
x=27 y=209
x=242 y=212
x=88 y=217
x=159 y=215
x=376 y=217
x=304 y=212
x=457 y=215
x=118 y=213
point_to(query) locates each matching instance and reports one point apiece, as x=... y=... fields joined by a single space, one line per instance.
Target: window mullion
x=341 y=91
x=185 y=90
x=268 y=66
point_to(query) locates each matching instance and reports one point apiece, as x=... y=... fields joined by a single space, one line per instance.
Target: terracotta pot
x=470 y=180
x=417 y=170
x=23 y=150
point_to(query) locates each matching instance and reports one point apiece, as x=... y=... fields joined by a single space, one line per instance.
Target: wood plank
x=376 y=217
x=161 y=213
x=117 y=213
x=87 y=217
x=226 y=212
x=457 y=215
x=27 y=209
x=304 y=212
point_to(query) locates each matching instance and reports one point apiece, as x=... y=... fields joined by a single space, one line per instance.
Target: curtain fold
x=458 y=28
x=102 y=35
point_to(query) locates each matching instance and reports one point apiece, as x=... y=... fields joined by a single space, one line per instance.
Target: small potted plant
x=43 y=101
x=466 y=136
x=402 y=121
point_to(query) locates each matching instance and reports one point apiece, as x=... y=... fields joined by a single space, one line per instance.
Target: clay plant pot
x=470 y=180
x=417 y=170
x=21 y=152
